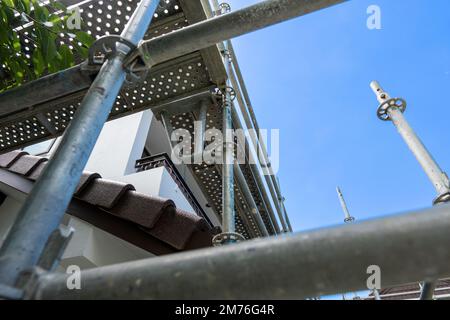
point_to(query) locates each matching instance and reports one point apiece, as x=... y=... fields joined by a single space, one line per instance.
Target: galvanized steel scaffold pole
x=243 y=186
x=45 y=206
x=236 y=80
x=228 y=234
x=407 y=248
x=392 y=109
x=238 y=86
x=348 y=218
x=230 y=25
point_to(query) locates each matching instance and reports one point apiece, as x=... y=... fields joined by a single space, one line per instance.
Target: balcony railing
x=163 y=160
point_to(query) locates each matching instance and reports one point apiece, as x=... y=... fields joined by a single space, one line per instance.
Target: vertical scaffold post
x=200 y=129
x=45 y=206
x=237 y=81
x=229 y=234
x=348 y=218
x=392 y=109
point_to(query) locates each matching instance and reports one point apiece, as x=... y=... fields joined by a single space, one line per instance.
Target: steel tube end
x=379 y=92
x=375 y=87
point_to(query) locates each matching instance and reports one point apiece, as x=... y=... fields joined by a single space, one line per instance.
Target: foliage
x=31 y=45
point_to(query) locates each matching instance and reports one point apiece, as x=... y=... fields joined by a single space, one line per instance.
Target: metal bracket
x=383 y=109
x=349 y=219
x=10 y=293
x=105 y=47
x=223 y=8
x=443 y=198
x=29 y=281
x=55 y=247
x=223 y=90
x=49 y=259
x=227 y=238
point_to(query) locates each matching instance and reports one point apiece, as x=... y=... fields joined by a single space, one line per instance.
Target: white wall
x=120 y=144
x=93 y=247
x=8 y=213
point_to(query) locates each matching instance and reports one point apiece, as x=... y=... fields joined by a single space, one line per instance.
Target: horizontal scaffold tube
x=407 y=248
x=209 y=32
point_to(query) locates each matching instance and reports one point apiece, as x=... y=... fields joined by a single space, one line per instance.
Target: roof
x=157 y=217
x=412 y=291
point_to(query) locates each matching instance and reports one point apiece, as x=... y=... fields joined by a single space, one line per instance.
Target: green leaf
x=8 y=14
x=40 y=13
x=84 y=38
x=46 y=41
x=47 y=56
x=55 y=64
x=54 y=19
x=3 y=34
x=9 y=3
x=22 y=6
x=49 y=49
x=16 y=44
x=58 y=5
x=27 y=5
x=82 y=51
x=38 y=62
x=66 y=54
x=16 y=71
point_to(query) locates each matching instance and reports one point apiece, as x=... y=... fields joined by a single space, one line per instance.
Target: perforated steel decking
x=185 y=77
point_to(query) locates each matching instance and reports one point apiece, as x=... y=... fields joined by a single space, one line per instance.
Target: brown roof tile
x=7 y=159
x=85 y=180
x=37 y=171
x=104 y=193
x=26 y=164
x=182 y=222
x=156 y=216
x=142 y=209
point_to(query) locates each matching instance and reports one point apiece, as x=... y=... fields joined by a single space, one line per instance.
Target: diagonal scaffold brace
x=45 y=206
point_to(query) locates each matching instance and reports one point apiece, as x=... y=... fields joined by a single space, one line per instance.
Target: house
x=133 y=201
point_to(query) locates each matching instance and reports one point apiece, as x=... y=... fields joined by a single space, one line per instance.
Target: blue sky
x=309 y=77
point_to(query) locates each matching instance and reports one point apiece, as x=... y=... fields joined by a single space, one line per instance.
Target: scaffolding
x=189 y=41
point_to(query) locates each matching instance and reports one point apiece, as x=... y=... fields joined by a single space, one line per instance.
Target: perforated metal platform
x=186 y=77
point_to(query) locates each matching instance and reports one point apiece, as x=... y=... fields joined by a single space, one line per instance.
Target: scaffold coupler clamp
x=227 y=238
x=223 y=8
x=224 y=92
x=49 y=260
x=135 y=63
